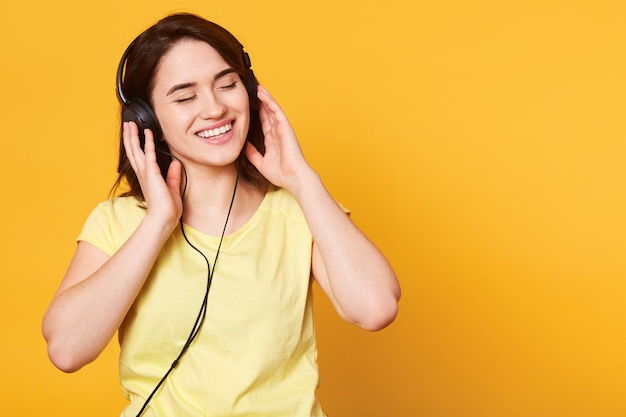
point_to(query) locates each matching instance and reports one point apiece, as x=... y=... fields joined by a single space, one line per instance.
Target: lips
x=216 y=132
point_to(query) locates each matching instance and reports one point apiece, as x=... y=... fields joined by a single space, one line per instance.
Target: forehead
x=187 y=61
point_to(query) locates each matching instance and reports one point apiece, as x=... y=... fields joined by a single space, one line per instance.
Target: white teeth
x=215 y=132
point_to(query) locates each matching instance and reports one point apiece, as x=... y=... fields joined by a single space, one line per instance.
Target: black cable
x=202 y=313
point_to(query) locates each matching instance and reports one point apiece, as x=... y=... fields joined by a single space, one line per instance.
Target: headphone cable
x=202 y=313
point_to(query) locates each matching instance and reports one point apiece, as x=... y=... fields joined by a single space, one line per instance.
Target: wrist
x=303 y=181
x=160 y=225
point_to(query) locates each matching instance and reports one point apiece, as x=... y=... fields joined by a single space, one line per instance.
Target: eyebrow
x=187 y=85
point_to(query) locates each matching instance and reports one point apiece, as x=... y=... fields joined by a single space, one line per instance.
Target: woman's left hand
x=348 y=267
x=283 y=161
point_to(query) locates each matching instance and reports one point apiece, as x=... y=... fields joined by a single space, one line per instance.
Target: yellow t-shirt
x=256 y=353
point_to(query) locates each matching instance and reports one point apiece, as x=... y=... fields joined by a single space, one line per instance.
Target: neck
x=208 y=198
x=210 y=188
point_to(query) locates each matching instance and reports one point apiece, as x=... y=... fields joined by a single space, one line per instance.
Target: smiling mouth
x=218 y=131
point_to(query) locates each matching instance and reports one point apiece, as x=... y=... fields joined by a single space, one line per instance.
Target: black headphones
x=140 y=112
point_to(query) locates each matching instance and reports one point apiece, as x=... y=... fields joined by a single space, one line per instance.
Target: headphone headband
x=120 y=74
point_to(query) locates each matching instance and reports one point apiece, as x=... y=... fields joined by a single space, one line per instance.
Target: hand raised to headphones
x=163 y=197
x=283 y=162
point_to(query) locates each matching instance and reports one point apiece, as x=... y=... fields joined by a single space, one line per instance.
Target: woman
x=221 y=199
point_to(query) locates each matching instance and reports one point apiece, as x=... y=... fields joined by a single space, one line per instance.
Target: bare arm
x=95 y=295
x=97 y=290
x=347 y=265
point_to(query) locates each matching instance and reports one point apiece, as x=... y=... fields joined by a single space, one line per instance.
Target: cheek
x=171 y=121
x=242 y=102
x=245 y=124
x=243 y=105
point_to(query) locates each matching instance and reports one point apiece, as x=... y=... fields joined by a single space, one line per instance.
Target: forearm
x=353 y=272
x=349 y=268
x=86 y=312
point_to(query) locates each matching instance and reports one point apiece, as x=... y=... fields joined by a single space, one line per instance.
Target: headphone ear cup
x=140 y=112
x=251 y=82
x=251 y=87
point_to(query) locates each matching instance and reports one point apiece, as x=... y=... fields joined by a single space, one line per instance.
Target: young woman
x=204 y=266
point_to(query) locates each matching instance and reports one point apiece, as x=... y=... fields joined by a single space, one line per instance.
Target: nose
x=211 y=106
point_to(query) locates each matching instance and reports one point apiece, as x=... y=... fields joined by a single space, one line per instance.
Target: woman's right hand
x=97 y=289
x=163 y=198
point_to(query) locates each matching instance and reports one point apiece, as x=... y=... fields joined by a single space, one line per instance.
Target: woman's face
x=201 y=103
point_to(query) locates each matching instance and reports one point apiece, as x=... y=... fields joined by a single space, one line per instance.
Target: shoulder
x=120 y=208
x=111 y=222
x=281 y=201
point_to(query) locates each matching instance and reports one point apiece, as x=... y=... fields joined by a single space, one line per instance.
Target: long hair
x=142 y=63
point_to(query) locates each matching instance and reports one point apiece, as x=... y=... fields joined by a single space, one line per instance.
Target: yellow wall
x=479 y=143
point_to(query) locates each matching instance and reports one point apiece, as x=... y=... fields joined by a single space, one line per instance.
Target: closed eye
x=229 y=86
x=184 y=99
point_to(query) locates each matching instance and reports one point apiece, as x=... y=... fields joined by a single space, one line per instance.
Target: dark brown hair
x=142 y=63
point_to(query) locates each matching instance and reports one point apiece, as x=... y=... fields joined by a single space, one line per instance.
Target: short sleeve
x=111 y=223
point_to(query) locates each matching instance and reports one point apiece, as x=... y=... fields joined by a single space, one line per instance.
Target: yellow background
x=479 y=143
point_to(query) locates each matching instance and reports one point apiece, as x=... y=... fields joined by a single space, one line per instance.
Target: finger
x=132 y=136
x=264 y=92
x=131 y=143
x=272 y=105
x=266 y=120
x=253 y=155
x=174 y=177
x=149 y=147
